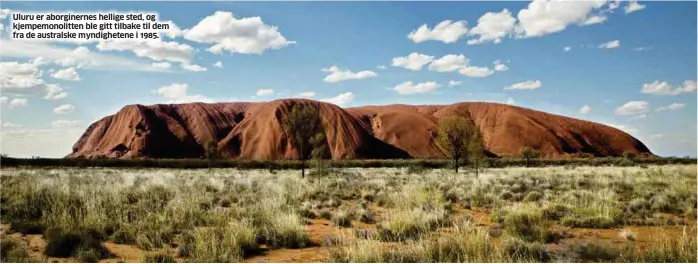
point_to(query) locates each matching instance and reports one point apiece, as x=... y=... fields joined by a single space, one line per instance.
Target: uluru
x=252 y=130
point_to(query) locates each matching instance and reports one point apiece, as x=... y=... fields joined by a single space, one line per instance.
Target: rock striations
x=253 y=131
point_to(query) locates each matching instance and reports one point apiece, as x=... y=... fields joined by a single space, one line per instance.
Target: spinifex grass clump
x=83 y=244
x=226 y=243
x=527 y=224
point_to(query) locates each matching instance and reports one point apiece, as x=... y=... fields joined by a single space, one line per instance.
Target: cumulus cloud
x=306 y=94
x=624 y=128
x=54 y=92
x=79 y=57
x=633 y=108
x=218 y=64
x=453 y=83
x=525 y=85
x=594 y=20
x=68 y=74
x=499 y=66
x=585 y=109
x=177 y=93
x=673 y=106
x=162 y=65
x=633 y=6
x=64 y=109
x=476 y=72
x=193 y=67
x=664 y=88
x=341 y=99
x=265 y=92
x=412 y=88
x=415 y=61
x=610 y=45
x=446 y=31
x=157 y=49
x=249 y=35
x=66 y=123
x=335 y=74
x=16 y=102
x=492 y=27
x=543 y=17
x=449 y=63
x=10 y=125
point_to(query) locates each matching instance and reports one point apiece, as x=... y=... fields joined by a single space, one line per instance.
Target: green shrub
x=521 y=250
x=65 y=244
x=411 y=224
x=528 y=225
x=227 y=243
x=342 y=219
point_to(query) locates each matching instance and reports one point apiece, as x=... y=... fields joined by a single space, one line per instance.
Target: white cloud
x=80 y=57
x=594 y=20
x=53 y=92
x=162 y=65
x=446 y=31
x=337 y=75
x=246 y=35
x=476 y=72
x=66 y=123
x=453 y=83
x=264 y=92
x=176 y=93
x=16 y=102
x=499 y=66
x=415 y=61
x=543 y=17
x=157 y=50
x=11 y=125
x=624 y=128
x=633 y=108
x=568 y=48
x=19 y=77
x=643 y=48
x=306 y=94
x=193 y=67
x=412 y=88
x=341 y=99
x=64 y=109
x=673 y=106
x=633 y=6
x=218 y=64
x=492 y=27
x=4 y=13
x=68 y=74
x=610 y=45
x=585 y=109
x=449 y=63
x=380 y=67
x=525 y=85
x=664 y=88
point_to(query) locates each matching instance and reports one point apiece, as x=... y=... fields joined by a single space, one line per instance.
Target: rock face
x=253 y=131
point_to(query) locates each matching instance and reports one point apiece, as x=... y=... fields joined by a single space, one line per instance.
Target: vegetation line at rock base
x=294 y=164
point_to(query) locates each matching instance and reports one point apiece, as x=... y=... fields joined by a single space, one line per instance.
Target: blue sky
x=631 y=65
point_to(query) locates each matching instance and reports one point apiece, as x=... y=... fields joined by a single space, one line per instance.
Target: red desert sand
x=252 y=130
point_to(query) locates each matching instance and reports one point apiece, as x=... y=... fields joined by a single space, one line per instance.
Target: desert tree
x=301 y=125
x=210 y=151
x=529 y=154
x=454 y=136
x=476 y=150
x=318 y=142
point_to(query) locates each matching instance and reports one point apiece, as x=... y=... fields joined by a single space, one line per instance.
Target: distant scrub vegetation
x=295 y=164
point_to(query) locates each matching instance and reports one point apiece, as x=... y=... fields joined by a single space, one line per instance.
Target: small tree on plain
x=300 y=125
x=529 y=154
x=454 y=137
x=319 y=151
x=211 y=151
x=476 y=149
